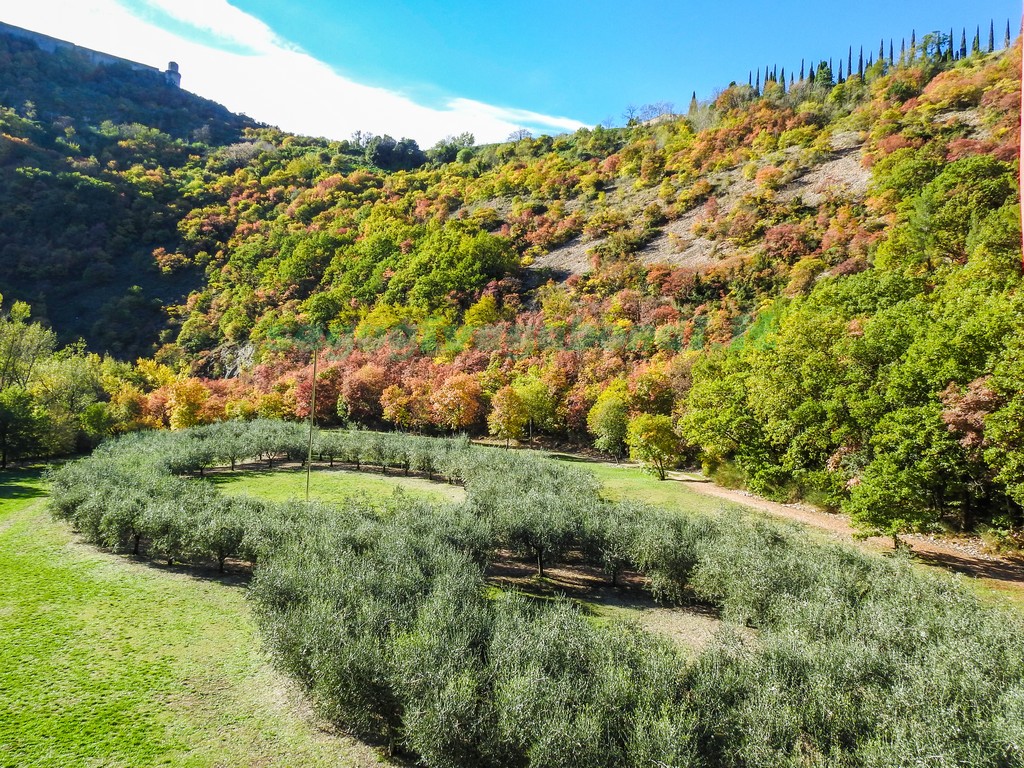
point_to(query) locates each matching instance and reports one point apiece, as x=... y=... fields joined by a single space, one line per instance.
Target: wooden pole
x=312 y=415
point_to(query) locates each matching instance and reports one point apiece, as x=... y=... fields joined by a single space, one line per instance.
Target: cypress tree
x=991 y=35
x=976 y=45
x=750 y=78
x=963 y=44
x=757 y=87
x=881 y=49
x=775 y=73
x=767 y=76
x=782 y=79
x=841 y=78
x=903 y=50
x=913 y=45
x=860 y=64
x=849 y=61
x=891 y=59
x=1006 y=40
x=802 y=68
x=693 y=103
x=790 y=81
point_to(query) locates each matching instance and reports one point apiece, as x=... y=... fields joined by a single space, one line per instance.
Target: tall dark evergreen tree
x=849 y=61
x=991 y=35
x=693 y=104
x=757 y=86
x=841 y=78
x=782 y=79
x=903 y=50
x=823 y=76
x=881 y=49
x=1006 y=40
x=891 y=59
x=950 y=52
x=860 y=64
x=963 y=44
x=750 y=78
x=976 y=45
x=801 y=70
x=913 y=45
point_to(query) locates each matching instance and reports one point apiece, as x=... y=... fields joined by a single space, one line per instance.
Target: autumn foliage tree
x=458 y=402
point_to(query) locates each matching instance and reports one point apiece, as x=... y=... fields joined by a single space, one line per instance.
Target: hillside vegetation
x=813 y=287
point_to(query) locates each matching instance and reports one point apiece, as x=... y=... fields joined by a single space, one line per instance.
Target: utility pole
x=312 y=416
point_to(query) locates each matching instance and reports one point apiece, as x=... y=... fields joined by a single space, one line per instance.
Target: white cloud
x=272 y=80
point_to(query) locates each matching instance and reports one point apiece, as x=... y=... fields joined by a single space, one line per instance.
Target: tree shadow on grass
x=1010 y=571
x=21 y=484
x=575 y=458
x=236 y=573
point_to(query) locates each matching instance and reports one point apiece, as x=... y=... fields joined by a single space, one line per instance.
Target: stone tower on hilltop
x=172 y=74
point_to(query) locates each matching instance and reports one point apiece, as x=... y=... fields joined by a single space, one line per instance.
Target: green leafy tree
x=919 y=473
x=22 y=425
x=537 y=400
x=653 y=441
x=608 y=420
x=509 y=417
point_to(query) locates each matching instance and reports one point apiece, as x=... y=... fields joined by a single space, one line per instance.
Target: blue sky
x=427 y=69
x=589 y=59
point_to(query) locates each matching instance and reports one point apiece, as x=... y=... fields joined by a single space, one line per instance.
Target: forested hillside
x=94 y=176
x=811 y=285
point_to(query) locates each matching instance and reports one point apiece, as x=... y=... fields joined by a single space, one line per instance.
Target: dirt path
x=961 y=554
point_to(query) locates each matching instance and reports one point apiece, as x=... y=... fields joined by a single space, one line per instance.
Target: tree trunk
x=540 y=564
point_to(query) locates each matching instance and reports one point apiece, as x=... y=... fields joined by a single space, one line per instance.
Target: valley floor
x=110 y=661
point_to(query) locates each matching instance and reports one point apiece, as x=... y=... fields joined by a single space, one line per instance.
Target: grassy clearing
x=331 y=485
x=109 y=662
x=620 y=482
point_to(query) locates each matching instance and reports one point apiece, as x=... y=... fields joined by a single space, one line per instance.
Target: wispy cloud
x=234 y=58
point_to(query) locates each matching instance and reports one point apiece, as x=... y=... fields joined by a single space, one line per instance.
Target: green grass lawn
x=331 y=485
x=627 y=481
x=109 y=662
